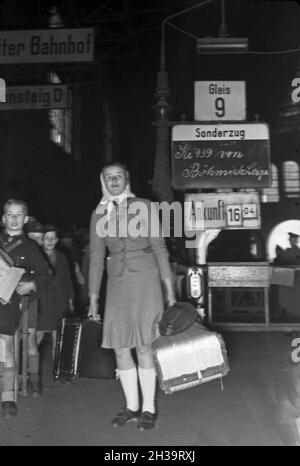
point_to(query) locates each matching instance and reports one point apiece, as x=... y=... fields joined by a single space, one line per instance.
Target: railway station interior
x=171 y=89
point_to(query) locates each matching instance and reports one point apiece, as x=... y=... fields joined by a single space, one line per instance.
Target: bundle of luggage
x=187 y=353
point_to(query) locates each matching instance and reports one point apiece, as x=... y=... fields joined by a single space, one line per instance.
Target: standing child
x=25 y=254
x=35 y=231
x=58 y=297
x=137 y=265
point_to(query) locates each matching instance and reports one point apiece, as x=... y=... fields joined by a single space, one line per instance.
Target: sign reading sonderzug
x=47 y=45
x=220 y=156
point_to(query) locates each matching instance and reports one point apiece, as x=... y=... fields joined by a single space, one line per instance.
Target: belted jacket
x=130 y=238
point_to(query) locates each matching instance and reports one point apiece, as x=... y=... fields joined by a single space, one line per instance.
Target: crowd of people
x=54 y=285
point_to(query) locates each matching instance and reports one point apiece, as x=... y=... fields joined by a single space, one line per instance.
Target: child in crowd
x=24 y=253
x=35 y=231
x=58 y=297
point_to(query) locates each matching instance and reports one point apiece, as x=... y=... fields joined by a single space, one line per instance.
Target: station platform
x=257 y=406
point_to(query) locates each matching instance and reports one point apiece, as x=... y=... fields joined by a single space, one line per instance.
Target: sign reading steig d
x=36 y=97
x=47 y=45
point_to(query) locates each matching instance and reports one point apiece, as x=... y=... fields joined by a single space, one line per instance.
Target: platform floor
x=256 y=406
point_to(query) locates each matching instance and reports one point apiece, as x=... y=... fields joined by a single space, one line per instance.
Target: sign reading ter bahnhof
x=220 y=156
x=47 y=45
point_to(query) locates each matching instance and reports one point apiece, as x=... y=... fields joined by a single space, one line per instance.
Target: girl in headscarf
x=137 y=264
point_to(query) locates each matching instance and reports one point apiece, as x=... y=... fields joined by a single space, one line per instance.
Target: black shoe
x=125 y=416
x=147 y=420
x=9 y=409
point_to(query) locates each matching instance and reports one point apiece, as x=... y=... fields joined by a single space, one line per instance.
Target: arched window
x=291 y=178
x=272 y=194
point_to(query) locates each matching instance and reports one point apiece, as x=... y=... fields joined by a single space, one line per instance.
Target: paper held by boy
x=9 y=279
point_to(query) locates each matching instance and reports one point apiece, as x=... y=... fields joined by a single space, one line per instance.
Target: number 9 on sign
x=234 y=215
x=220 y=107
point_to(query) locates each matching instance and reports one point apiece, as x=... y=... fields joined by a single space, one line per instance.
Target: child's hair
x=15 y=202
x=51 y=228
x=114 y=164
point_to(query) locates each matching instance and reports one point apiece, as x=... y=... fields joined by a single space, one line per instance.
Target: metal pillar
x=162 y=171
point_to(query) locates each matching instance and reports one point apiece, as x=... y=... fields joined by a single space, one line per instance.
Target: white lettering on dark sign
x=207 y=156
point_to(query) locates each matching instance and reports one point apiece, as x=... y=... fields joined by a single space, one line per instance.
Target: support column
x=162 y=187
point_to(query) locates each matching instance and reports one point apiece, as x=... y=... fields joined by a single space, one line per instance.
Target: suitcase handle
x=99 y=321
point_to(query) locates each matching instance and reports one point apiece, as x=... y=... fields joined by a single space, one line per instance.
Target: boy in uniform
x=24 y=253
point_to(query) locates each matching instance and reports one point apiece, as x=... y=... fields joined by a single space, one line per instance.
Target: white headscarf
x=108 y=199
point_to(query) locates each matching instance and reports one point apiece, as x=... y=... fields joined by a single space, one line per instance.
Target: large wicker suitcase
x=78 y=351
x=190 y=358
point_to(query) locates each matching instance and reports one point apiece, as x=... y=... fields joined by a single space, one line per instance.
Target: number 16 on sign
x=234 y=215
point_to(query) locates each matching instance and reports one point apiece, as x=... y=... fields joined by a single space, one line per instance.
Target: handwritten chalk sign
x=220 y=156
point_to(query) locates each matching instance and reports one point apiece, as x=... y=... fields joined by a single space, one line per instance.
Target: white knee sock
x=129 y=382
x=8 y=380
x=148 y=384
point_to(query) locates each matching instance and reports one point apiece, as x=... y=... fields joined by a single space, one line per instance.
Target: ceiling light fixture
x=223 y=43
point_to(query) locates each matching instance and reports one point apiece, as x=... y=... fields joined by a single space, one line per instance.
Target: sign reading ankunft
x=220 y=156
x=222 y=210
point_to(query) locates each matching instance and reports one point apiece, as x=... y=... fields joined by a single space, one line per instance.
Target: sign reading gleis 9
x=47 y=45
x=220 y=100
x=220 y=156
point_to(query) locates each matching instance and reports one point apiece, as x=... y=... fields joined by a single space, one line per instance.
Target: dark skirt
x=133 y=309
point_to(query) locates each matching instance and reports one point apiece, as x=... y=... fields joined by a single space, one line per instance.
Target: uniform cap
x=35 y=227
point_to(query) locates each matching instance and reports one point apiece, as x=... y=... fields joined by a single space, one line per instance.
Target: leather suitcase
x=78 y=351
x=190 y=358
x=95 y=362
